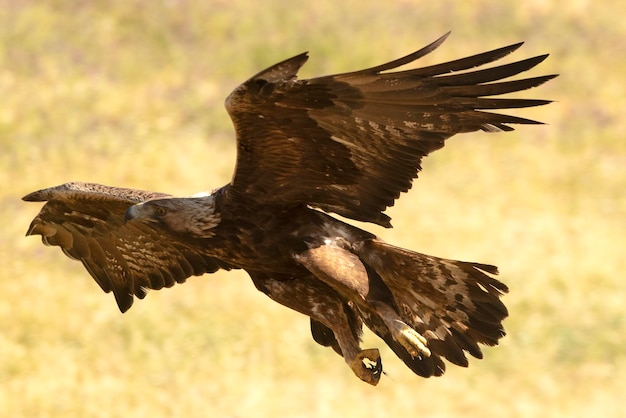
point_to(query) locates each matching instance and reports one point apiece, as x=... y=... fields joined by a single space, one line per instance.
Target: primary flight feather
x=348 y=144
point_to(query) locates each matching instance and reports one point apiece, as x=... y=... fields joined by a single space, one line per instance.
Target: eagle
x=348 y=144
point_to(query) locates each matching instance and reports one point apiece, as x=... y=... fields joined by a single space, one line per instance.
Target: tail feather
x=455 y=305
x=466 y=343
x=422 y=366
x=450 y=350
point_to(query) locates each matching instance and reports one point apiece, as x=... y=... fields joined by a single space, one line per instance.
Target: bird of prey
x=347 y=144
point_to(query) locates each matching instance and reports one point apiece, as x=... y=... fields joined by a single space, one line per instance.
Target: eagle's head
x=194 y=215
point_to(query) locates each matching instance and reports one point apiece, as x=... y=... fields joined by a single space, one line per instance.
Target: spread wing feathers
x=87 y=221
x=455 y=305
x=351 y=143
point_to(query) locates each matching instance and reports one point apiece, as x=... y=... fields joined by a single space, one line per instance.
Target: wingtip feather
x=33 y=197
x=284 y=70
x=124 y=300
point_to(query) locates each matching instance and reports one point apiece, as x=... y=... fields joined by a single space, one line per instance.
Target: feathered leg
x=344 y=272
x=333 y=322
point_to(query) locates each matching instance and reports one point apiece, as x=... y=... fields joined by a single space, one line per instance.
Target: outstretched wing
x=351 y=143
x=87 y=221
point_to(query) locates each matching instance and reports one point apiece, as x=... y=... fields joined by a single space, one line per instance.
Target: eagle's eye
x=159 y=211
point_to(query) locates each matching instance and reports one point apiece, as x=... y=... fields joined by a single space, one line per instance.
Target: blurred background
x=130 y=93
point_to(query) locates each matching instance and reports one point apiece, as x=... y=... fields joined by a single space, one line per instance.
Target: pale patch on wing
x=343 y=141
x=202 y=194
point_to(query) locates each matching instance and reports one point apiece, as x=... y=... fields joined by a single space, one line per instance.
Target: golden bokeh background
x=130 y=93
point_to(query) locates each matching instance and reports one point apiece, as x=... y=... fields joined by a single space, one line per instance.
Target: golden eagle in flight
x=348 y=144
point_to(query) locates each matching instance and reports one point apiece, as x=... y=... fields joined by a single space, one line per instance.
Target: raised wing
x=87 y=221
x=352 y=143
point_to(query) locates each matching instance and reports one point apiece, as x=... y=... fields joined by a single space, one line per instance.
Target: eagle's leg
x=345 y=272
x=410 y=339
x=314 y=298
x=366 y=364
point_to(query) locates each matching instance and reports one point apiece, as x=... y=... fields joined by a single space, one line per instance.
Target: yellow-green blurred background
x=130 y=93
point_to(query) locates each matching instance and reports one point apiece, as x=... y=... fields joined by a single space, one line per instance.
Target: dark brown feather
x=453 y=304
x=87 y=221
x=352 y=143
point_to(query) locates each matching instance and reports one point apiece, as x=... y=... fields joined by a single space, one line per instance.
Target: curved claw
x=367 y=365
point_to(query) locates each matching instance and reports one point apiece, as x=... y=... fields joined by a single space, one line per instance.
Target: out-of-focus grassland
x=130 y=93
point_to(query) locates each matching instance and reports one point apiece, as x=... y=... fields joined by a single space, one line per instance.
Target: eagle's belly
x=270 y=242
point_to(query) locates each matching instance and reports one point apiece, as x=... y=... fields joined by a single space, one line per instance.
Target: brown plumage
x=348 y=144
